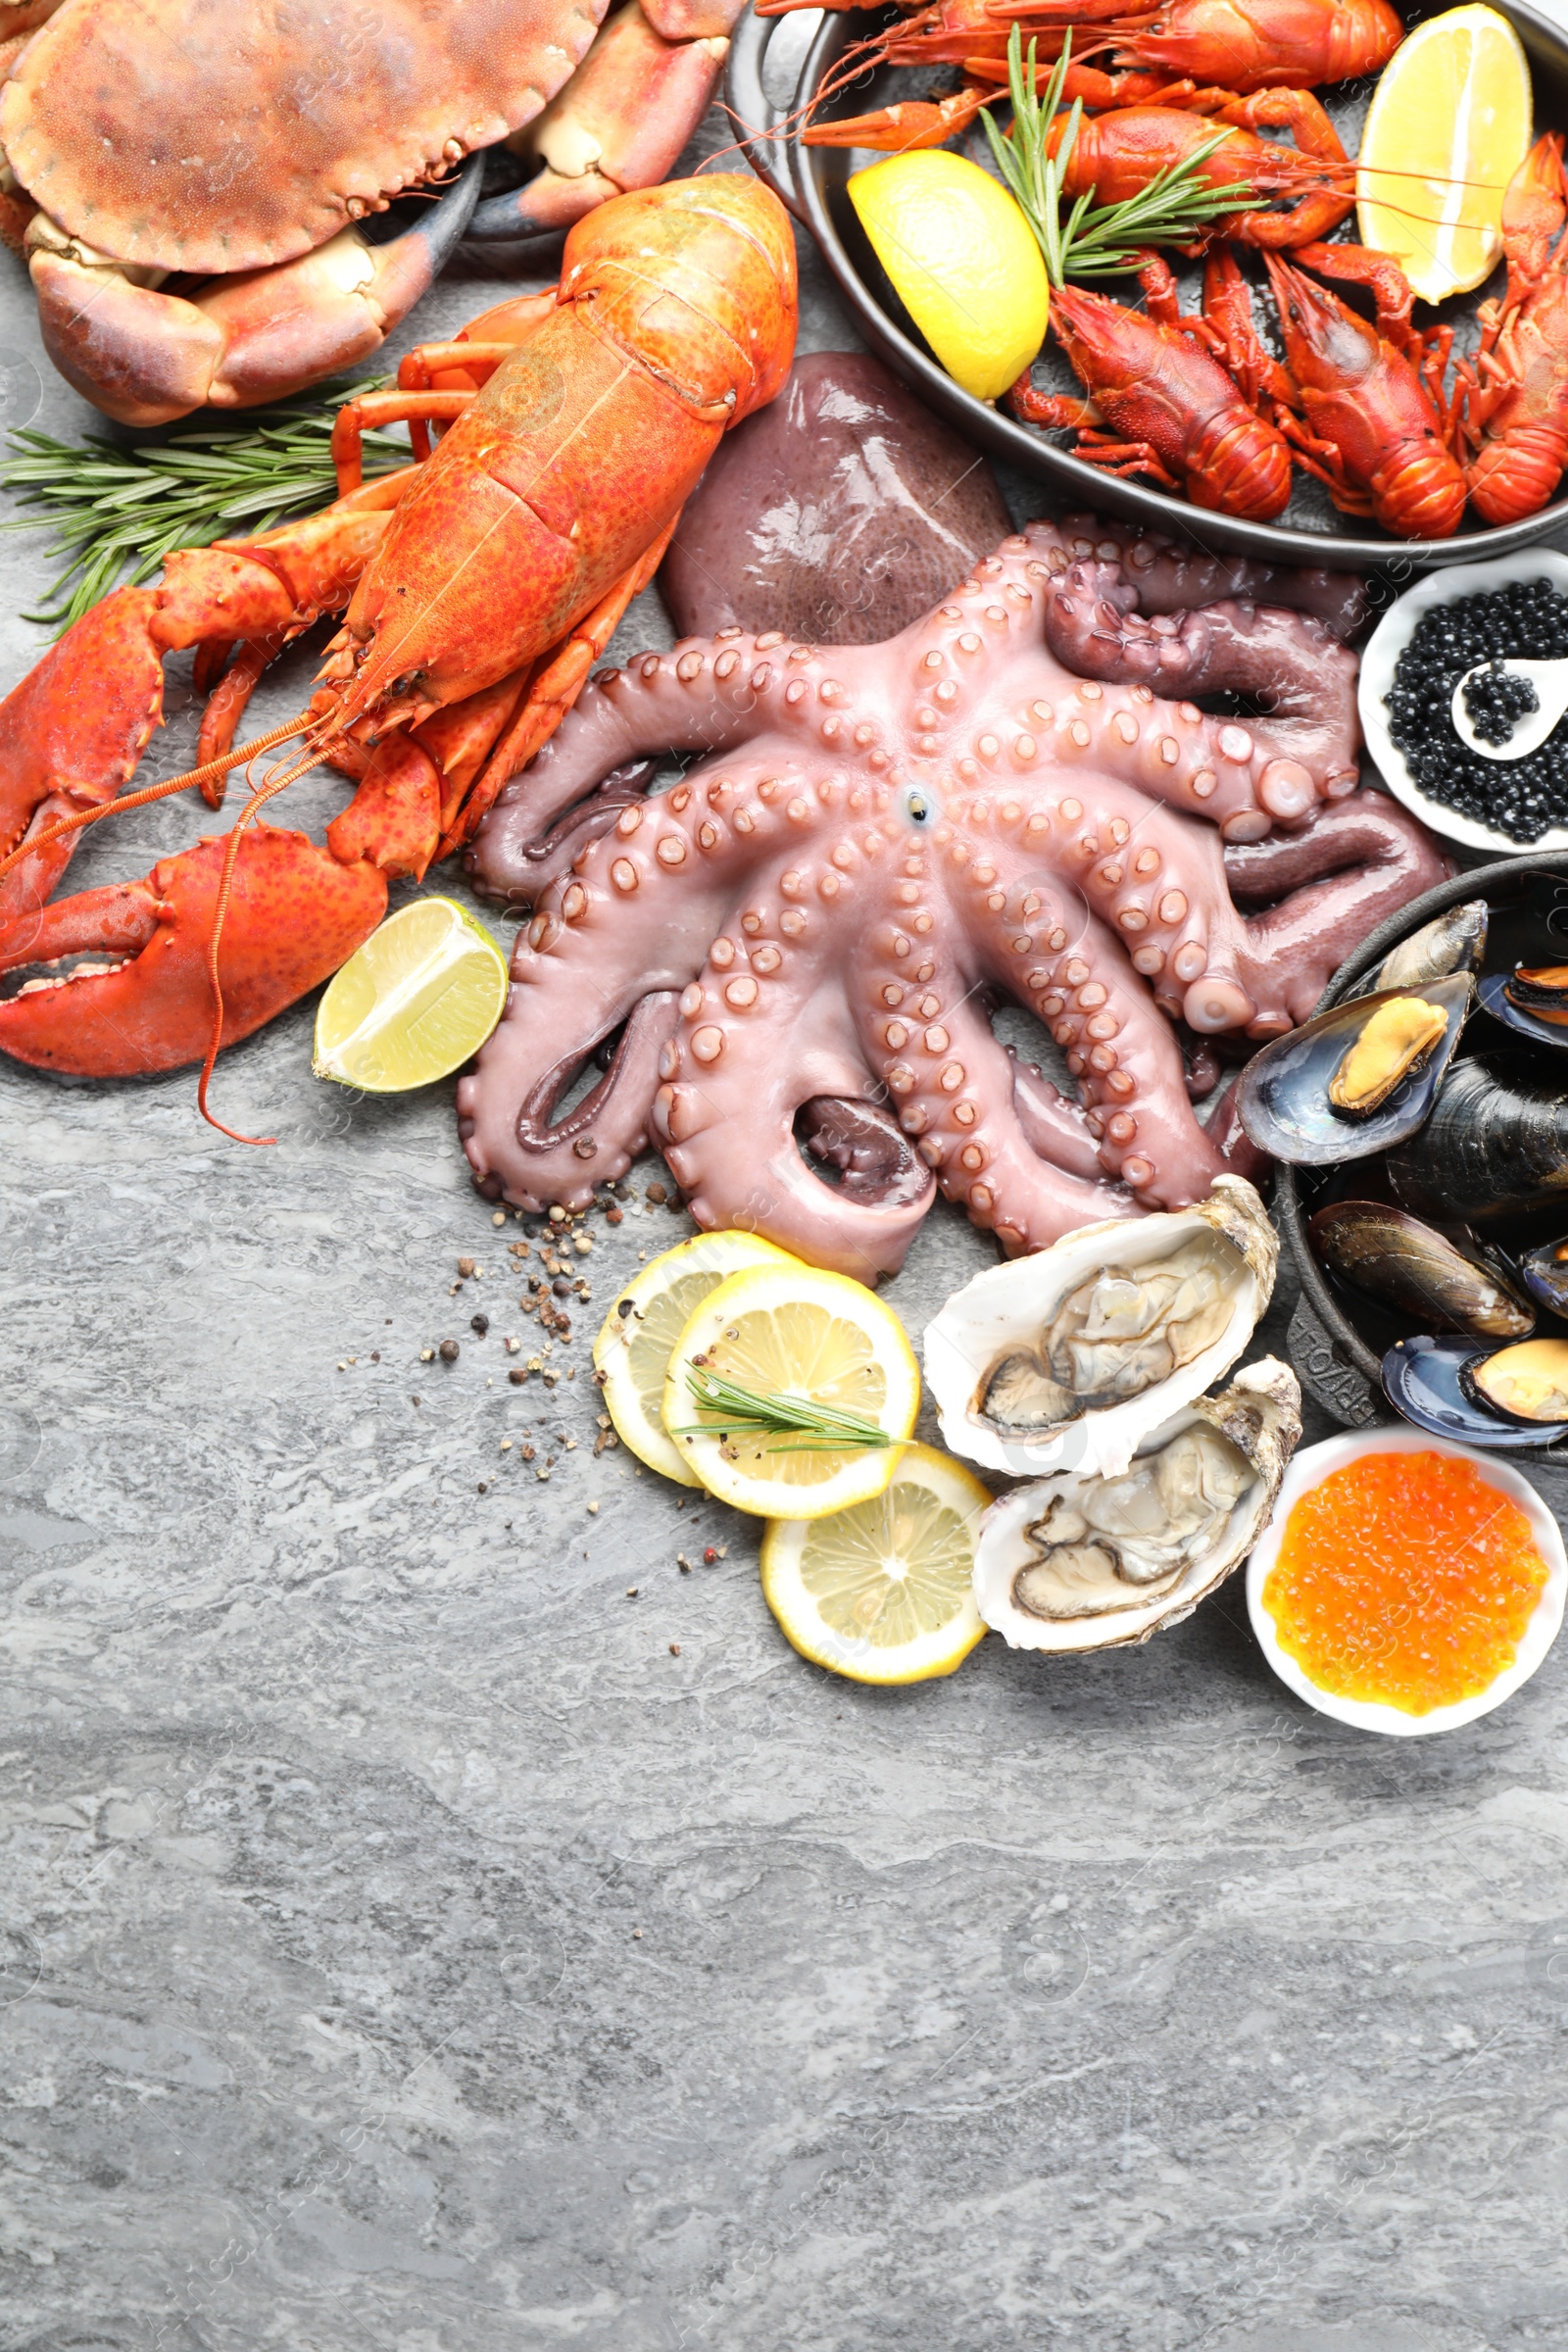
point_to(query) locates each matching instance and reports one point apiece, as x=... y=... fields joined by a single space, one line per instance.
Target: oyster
x=1395 y=1042
x=1394 y=1258
x=1357 y=1079
x=1078 y=1561
x=1074 y=1356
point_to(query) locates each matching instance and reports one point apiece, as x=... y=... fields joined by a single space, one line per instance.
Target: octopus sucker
x=820 y=930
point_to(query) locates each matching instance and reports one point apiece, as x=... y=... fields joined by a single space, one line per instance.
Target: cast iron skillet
x=810 y=181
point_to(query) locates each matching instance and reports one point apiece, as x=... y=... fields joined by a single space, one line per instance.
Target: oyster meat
x=1085 y=1562
x=1123 y=1331
x=1076 y=1354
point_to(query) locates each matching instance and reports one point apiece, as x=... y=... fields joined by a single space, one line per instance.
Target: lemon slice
x=1448 y=128
x=881 y=1591
x=791 y=1330
x=964 y=261
x=633 y=1350
x=413 y=1002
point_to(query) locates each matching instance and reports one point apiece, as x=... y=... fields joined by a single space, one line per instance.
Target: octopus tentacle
x=1325 y=889
x=766 y=1029
x=953 y=1082
x=1300 y=672
x=1123 y=1055
x=1177 y=578
x=532 y=1159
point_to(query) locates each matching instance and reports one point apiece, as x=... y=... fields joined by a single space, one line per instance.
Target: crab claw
x=144 y=1001
x=145 y=356
x=620 y=122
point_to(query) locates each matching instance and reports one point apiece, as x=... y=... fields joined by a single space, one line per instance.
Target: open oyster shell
x=1073 y=1357
x=1077 y=1562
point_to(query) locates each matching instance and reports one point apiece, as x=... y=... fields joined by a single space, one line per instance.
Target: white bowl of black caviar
x=1424 y=644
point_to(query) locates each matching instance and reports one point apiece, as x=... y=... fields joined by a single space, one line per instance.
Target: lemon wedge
x=881 y=1591
x=964 y=261
x=631 y=1353
x=1448 y=128
x=413 y=1002
x=782 y=1332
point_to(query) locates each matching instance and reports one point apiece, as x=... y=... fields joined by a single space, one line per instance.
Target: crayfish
x=481 y=583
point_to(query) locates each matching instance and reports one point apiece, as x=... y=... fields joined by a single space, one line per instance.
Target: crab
x=195 y=184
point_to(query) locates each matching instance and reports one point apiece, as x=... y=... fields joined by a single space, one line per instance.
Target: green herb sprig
x=799 y=1424
x=115 y=511
x=1094 y=240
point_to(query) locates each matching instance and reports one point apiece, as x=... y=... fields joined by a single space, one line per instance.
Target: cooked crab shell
x=1071 y=1358
x=1077 y=1562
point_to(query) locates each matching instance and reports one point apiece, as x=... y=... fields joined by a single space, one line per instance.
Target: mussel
x=1392 y=1045
x=1532 y=999
x=1494 y=1145
x=1356 y=1080
x=1455 y=942
x=1426 y=1381
x=1393 y=1258
x=1528 y=1383
x=1544 y=1271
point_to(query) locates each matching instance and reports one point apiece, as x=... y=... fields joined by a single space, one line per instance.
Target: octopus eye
x=919 y=806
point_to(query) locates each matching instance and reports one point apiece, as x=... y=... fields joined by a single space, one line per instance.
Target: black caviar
x=1521 y=798
x=1494 y=697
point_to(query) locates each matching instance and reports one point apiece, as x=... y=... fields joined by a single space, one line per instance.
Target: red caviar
x=1406 y=1579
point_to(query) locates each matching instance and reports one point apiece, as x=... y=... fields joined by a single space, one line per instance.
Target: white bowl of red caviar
x=1405 y=1564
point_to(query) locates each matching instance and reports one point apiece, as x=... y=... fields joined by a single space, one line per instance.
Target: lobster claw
x=144 y=1002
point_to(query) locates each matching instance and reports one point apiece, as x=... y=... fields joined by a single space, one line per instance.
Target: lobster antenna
x=265 y=792
x=209 y=770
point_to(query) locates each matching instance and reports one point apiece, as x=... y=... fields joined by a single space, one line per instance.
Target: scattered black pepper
x=657 y=1194
x=448 y=1351
x=623 y=1307
x=483 y=1488
x=466 y=1267
x=479 y=1323
x=1520 y=797
x=562 y=1286
x=516 y=1376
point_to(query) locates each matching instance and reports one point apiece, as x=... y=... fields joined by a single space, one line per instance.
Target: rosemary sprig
x=800 y=1423
x=115 y=511
x=1102 y=240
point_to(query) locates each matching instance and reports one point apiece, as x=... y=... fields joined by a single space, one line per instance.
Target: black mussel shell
x=1455 y=942
x=1282 y=1096
x=1422 y=1380
x=1525 y=1384
x=1393 y=1258
x=1544 y=1274
x=1495 y=1145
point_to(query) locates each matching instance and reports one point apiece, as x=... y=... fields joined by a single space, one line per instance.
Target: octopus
x=787 y=965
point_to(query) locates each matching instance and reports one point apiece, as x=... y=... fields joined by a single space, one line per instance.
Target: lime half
x=420 y=997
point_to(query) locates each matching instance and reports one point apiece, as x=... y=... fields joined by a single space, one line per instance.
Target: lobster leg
x=897 y=129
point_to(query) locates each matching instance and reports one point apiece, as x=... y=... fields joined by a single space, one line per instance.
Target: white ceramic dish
x=1388 y=642
x=1309 y=1470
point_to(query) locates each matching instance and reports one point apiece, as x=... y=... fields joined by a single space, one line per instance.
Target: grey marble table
x=404 y=1950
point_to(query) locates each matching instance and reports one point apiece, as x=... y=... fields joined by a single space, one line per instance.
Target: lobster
x=1175 y=411
x=1513 y=395
x=1370 y=426
x=1117 y=155
x=481 y=583
x=1212 y=51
